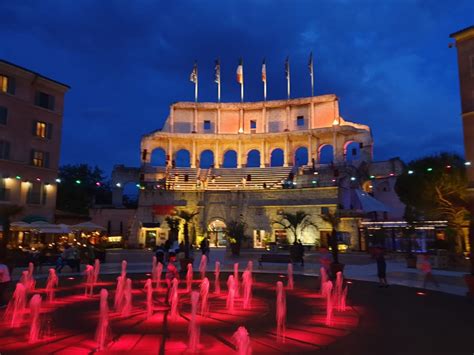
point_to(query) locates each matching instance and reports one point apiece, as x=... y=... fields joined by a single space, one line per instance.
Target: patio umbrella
x=55 y=229
x=20 y=226
x=87 y=227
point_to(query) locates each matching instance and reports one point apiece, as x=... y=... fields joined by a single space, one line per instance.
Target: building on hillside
x=31 y=115
x=255 y=161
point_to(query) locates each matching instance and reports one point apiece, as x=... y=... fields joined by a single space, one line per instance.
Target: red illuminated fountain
x=193 y=328
x=189 y=278
x=103 y=330
x=280 y=311
x=231 y=287
x=204 y=296
x=35 y=323
x=217 y=284
x=242 y=341
x=51 y=285
x=203 y=266
x=16 y=307
x=290 y=285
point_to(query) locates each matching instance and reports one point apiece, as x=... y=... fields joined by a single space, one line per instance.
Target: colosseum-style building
x=253 y=161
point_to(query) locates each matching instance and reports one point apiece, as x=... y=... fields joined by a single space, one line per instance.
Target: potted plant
x=235 y=231
x=334 y=220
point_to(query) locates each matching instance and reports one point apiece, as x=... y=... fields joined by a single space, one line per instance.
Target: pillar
x=239 y=155
x=288 y=113
x=287 y=152
x=195 y=115
x=218 y=123
x=216 y=155
x=241 y=120
x=310 y=149
x=263 y=155
x=316 y=150
x=170 y=151
x=311 y=115
x=193 y=155
x=265 y=119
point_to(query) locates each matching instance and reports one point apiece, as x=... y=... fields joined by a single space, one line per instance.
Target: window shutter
x=46 y=159
x=11 y=86
x=49 y=130
x=51 y=102
x=6 y=150
x=33 y=127
x=3 y=115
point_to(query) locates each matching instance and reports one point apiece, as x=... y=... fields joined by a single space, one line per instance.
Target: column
x=195 y=119
x=193 y=155
x=287 y=152
x=263 y=155
x=170 y=151
x=241 y=120
x=311 y=113
x=310 y=150
x=217 y=156
x=288 y=113
x=239 y=155
x=265 y=119
x=334 y=145
x=316 y=151
x=172 y=119
x=218 y=123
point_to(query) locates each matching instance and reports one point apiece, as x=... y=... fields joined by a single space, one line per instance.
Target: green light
x=78 y=182
x=429 y=169
x=18 y=177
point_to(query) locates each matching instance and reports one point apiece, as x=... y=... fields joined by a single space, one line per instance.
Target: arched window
x=326 y=154
x=158 y=157
x=230 y=159
x=253 y=159
x=206 y=159
x=301 y=156
x=351 y=151
x=183 y=158
x=277 y=157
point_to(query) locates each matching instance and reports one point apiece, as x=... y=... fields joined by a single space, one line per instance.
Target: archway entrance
x=216 y=232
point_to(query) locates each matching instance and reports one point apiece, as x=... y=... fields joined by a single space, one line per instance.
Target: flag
x=194 y=74
x=264 y=72
x=287 y=68
x=240 y=72
x=310 y=64
x=217 y=72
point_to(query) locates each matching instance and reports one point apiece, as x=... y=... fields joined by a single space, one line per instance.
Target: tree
x=81 y=187
x=436 y=188
x=235 y=231
x=296 y=223
x=187 y=217
x=334 y=220
x=173 y=224
x=7 y=211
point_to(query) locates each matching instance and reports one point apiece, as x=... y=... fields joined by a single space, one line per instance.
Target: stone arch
x=351 y=151
x=206 y=159
x=229 y=159
x=326 y=154
x=216 y=232
x=253 y=158
x=277 y=157
x=301 y=156
x=158 y=157
x=182 y=158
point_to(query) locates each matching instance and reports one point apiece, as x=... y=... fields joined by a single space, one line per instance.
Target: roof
x=33 y=72
x=370 y=204
x=464 y=31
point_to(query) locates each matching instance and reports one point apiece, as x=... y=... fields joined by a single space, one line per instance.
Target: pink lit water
x=35 y=321
x=327 y=293
x=127 y=299
x=119 y=293
x=247 y=287
x=174 y=299
x=16 y=307
x=89 y=281
x=280 y=311
x=51 y=285
x=158 y=273
x=203 y=266
x=103 y=334
x=149 y=298
x=231 y=287
x=217 y=284
x=204 y=292
x=96 y=271
x=241 y=340
x=193 y=328
x=323 y=278
x=290 y=285
x=236 y=279
x=189 y=277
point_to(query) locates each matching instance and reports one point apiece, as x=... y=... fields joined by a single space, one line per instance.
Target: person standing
x=4 y=282
x=205 y=247
x=381 y=267
x=426 y=269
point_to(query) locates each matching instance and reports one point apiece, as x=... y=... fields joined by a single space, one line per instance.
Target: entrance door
x=216 y=231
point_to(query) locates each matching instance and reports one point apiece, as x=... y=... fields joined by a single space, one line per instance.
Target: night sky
x=127 y=61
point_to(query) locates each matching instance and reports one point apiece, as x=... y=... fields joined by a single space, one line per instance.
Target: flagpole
x=265 y=90
x=196 y=86
x=288 y=76
x=311 y=73
x=264 y=79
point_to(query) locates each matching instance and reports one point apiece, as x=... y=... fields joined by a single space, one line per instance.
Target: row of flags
x=240 y=77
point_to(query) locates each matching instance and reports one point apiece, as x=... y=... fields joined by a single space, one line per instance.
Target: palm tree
x=7 y=211
x=235 y=231
x=187 y=217
x=296 y=223
x=334 y=220
x=173 y=224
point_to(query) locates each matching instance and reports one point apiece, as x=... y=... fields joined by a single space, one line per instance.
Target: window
x=42 y=129
x=4 y=150
x=207 y=125
x=300 y=121
x=39 y=158
x=3 y=115
x=36 y=194
x=253 y=124
x=7 y=84
x=44 y=100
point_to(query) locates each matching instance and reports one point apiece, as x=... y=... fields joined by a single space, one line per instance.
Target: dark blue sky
x=388 y=61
